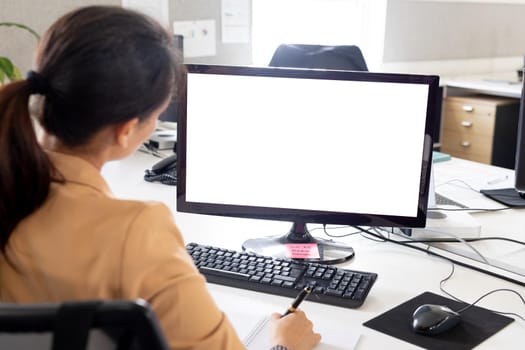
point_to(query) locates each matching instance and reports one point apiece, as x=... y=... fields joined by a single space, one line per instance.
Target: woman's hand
x=293 y=331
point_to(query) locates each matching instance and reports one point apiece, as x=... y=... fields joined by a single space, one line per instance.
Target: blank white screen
x=324 y=145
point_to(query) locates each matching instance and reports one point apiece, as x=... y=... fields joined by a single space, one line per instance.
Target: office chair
x=345 y=57
x=80 y=325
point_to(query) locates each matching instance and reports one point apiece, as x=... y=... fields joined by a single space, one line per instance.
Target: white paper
x=235 y=19
x=255 y=332
x=158 y=9
x=199 y=37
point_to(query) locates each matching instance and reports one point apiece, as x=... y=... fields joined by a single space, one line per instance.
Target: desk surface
x=392 y=263
x=505 y=85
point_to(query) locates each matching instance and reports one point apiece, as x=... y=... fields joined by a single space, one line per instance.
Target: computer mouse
x=430 y=319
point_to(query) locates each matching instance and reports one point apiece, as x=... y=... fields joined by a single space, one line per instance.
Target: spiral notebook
x=258 y=336
x=255 y=333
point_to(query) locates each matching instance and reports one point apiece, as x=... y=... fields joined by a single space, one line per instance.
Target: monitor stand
x=299 y=244
x=507 y=196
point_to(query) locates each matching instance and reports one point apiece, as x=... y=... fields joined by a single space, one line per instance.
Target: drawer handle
x=468 y=108
x=465 y=144
x=466 y=124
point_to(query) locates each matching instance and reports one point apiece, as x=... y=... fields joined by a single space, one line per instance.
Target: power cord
x=382 y=238
x=357 y=231
x=427 y=250
x=457 y=239
x=453 y=263
x=470 y=209
x=447 y=240
x=324 y=228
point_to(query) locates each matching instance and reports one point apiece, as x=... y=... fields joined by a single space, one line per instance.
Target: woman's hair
x=96 y=66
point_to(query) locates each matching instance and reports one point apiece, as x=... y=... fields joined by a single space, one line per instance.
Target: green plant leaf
x=8 y=69
x=17 y=74
x=22 y=26
x=6 y=66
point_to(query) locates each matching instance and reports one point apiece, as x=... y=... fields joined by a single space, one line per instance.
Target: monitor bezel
x=310 y=216
x=519 y=166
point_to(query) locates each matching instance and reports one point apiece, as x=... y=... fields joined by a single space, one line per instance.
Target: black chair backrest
x=344 y=57
x=79 y=325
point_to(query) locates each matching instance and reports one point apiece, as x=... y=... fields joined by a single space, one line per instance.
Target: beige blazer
x=84 y=244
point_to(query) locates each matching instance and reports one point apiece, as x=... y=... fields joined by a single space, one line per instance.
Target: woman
x=102 y=77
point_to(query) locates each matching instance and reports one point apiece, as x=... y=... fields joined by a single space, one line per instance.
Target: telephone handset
x=164 y=171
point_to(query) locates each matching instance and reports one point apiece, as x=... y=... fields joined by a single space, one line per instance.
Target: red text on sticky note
x=302 y=251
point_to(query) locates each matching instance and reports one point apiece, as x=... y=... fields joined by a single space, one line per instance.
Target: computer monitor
x=306 y=146
x=170 y=115
x=514 y=197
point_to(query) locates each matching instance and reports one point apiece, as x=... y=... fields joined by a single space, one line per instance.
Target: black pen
x=302 y=295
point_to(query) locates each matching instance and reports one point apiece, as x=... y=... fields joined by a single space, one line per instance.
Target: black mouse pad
x=477 y=324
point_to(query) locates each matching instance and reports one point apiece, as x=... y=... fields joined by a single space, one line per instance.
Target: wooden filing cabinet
x=480 y=128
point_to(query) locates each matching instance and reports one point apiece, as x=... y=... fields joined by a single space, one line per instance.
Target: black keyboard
x=331 y=285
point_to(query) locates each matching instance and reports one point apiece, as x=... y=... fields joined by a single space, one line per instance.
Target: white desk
x=394 y=264
x=505 y=85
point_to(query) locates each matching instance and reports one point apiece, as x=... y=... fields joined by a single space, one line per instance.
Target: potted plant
x=8 y=71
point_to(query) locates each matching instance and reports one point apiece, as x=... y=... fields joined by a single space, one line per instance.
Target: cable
x=448 y=240
x=465 y=241
x=470 y=209
x=358 y=231
x=453 y=263
x=429 y=252
x=481 y=297
x=381 y=239
x=460 y=181
x=168 y=178
x=499 y=312
x=460 y=240
x=336 y=228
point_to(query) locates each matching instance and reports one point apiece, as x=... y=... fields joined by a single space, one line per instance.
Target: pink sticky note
x=302 y=251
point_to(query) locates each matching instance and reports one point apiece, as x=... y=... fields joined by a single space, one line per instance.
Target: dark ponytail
x=96 y=66
x=24 y=167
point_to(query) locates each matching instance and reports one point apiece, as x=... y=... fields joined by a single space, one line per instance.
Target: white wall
x=18 y=45
x=443 y=37
x=448 y=38
x=454 y=37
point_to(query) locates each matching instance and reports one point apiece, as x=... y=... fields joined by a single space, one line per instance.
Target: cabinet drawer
x=480 y=128
x=470 y=107
x=467 y=146
x=481 y=158
x=481 y=123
